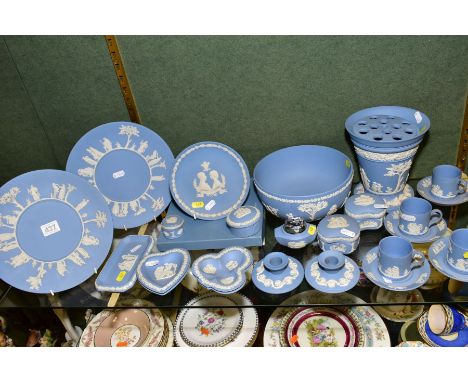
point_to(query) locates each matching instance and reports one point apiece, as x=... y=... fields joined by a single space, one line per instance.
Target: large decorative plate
x=398 y=313
x=55 y=231
x=209 y=180
x=375 y=331
x=321 y=327
x=129 y=164
x=119 y=273
x=213 y=327
x=249 y=329
x=125 y=328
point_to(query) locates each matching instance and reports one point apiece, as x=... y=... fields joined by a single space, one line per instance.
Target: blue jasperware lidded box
x=338 y=233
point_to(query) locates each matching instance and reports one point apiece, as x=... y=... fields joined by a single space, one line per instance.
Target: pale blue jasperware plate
x=55 y=231
x=129 y=164
x=209 y=180
x=119 y=273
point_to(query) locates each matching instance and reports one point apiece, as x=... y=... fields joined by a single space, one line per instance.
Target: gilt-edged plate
x=55 y=231
x=375 y=331
x=224 y=272
x=209 y=180
x=162 y=272
x=321 y=327
x=130 y=165
x=216 y=319
x=126 y=328
x=119 y=272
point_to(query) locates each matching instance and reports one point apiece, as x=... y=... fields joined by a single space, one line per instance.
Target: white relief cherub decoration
x=202 y=186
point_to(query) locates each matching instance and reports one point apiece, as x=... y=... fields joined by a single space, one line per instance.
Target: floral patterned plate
x=125 y=328
x=209 y=326
x=434 y=233
x=424 y=188
x=375 y=331
x=397 y=313
x=55 y=231
x=416 y=278
x=321 y=327
x=129 y=164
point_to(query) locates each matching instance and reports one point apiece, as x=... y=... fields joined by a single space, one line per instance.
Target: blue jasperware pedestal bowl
x=307 y=182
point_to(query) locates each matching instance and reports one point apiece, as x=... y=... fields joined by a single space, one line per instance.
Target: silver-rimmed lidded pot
x=295 y=233
x=338 y=233
x=172 y=226
x=244 y=221
x=367 y=209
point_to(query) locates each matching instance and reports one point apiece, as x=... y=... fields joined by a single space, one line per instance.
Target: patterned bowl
x=307 y=181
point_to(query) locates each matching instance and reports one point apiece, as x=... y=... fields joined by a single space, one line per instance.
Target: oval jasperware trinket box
x=295 y=233
x=277 y=273
x=307 y=181
x=172 y=226
x=338 y=233
x=386 y=139
x=244 y=221
x=367 y=209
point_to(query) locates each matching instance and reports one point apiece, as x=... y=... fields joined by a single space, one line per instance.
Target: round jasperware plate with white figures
x=209 y=180
x=55 y=231
x=129 y=164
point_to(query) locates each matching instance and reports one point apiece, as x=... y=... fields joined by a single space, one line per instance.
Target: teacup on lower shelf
x=444 y=320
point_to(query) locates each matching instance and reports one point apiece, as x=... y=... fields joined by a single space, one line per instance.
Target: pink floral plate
x=321 y=327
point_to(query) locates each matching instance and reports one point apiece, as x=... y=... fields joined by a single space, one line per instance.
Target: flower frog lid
x=172 y=222
x=365 y=206
x=338 y=228
x=244 y=216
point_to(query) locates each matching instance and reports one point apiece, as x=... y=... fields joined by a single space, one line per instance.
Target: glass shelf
x=86 y=296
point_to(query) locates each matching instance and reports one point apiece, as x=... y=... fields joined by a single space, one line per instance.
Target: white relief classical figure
x=426 y=182
x=413 y=228
x=106 y=144
x=337 y=222
x=210 y=269
x=312 y=208
x=297 y=244
x=227 y=280
x=401 y=171
x=232 y=265
x=364 y=200
x=165 y=271
x=333 y=209
x=438 y=246
x=202 y=186
x=437 y=191
x=127 y=263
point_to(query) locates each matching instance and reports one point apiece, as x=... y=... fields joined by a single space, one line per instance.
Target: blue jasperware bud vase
x=386 y=139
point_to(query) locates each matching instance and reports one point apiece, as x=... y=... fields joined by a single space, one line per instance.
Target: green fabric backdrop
x=255 y=93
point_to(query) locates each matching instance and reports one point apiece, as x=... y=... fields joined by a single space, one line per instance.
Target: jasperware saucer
x=129 y=164
x=375 y=331
x=424 y=188
x=416 y=278
x=332 y=282
x=438 y=257
x=209 y=180
x=55 y=231
x=392 y=219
